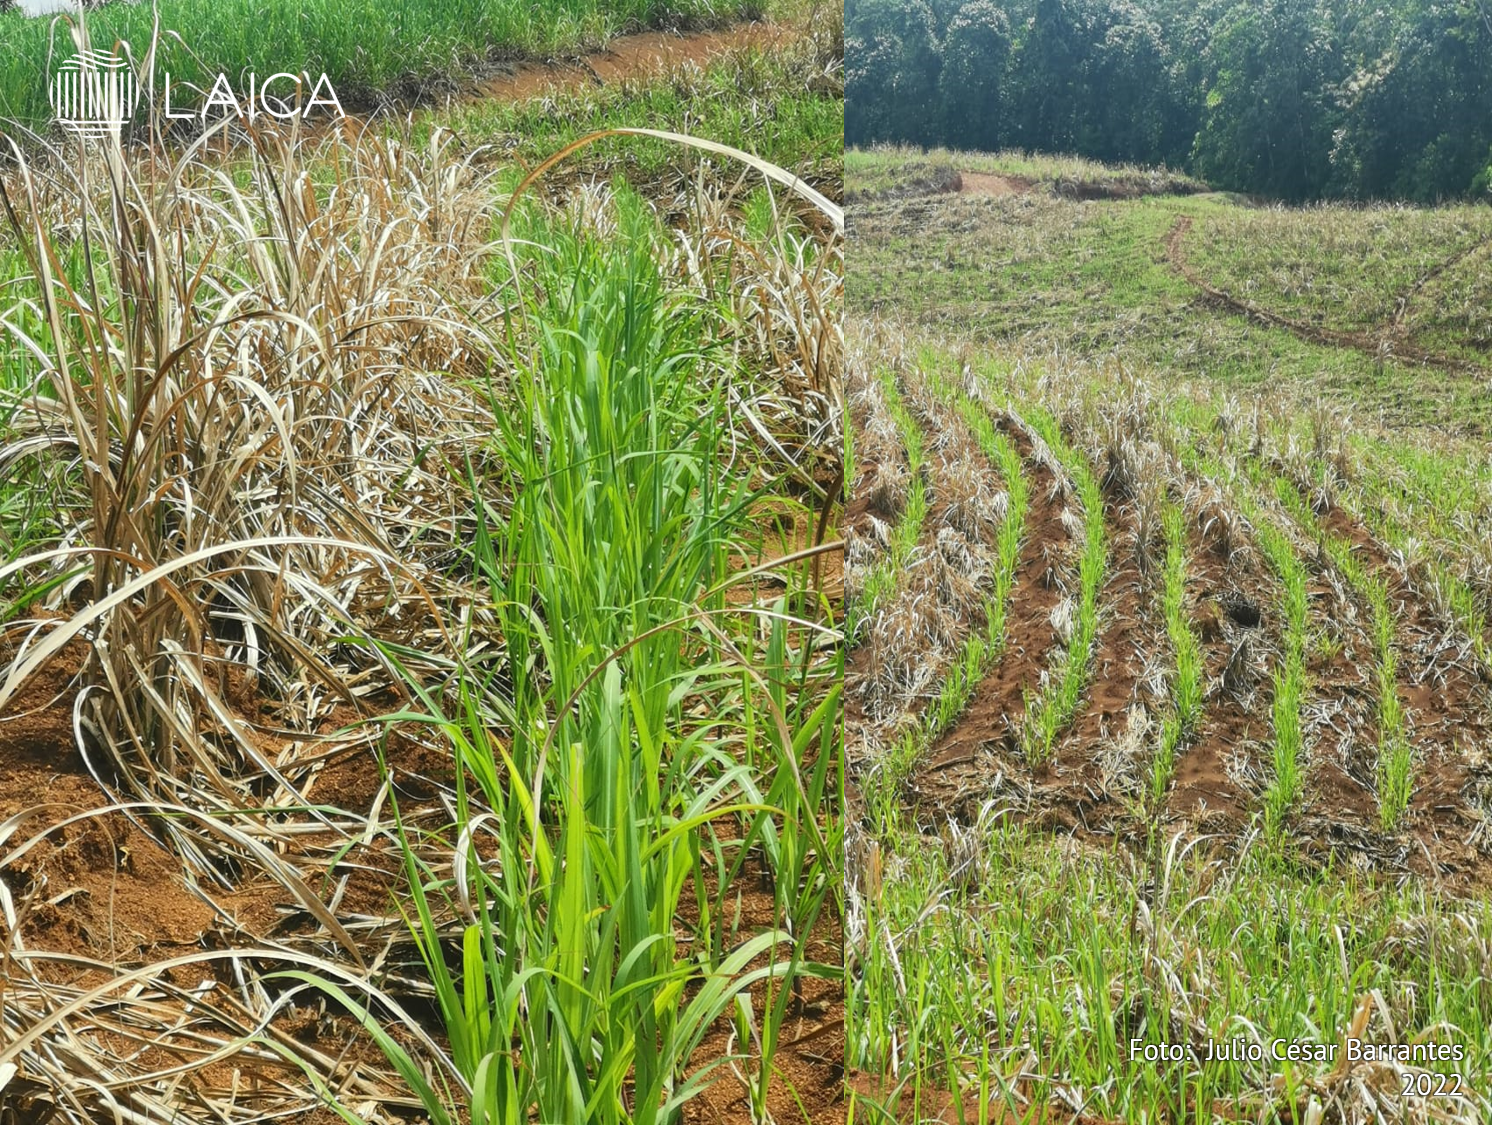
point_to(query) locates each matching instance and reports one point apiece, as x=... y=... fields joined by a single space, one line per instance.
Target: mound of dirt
x=987 y=183
x=993 y=183
x=936 y=181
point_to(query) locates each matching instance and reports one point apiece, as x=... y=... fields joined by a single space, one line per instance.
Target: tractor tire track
x=1372 y=346
x=1406 y=300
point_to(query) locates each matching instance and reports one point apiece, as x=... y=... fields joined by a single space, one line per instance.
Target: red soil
x=1446 y=700
x=1069 y=787
x=1207 y=789
x=106 y=890
x=628 y=58
x=987 y=183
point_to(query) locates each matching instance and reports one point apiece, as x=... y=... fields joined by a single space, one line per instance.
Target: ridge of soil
x=859 y=656
x=1339 y=801
x=988 y=183
x=994 y=183
x=1446 y=711
x=1389 y=344
x=1211 y=767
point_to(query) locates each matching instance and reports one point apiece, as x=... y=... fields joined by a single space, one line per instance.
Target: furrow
x=976 y=756
x=1101 y=767
x=928 y=633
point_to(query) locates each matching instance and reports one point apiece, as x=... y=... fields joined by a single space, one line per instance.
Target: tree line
x=1292 y=99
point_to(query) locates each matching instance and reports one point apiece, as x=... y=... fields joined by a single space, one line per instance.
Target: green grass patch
x=780 y=103
x=1188 y=686
x=1036 y=273
x=1056 y=956
x=366 y=47
x=1342 y=268
x=882 y=167
x=630 y=729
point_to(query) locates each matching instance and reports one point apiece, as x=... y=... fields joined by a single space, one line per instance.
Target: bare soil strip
x=986 y=183
x=1376 y=346
x=1339 y=807
x=965 y=762
x=628 y=58
x=1232 y=609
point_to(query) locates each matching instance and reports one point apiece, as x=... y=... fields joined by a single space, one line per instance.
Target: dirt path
x=628 y=58
x=1374 y=345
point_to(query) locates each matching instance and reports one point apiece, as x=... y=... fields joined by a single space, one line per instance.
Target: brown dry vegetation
x=252 y=616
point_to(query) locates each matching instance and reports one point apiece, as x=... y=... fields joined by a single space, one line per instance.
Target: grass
x=516 y=517
x=982 y=647
x=1352 y=269
x=1037 y=273
x=1006 y=961
x=1431 y=506
x=620 y=537
x=1188 y=686
x=1290 y=682
x=882 y=577
x=891 y=167
x=1060 y=954
x=366 y=49
x=782 y=102
x=1394 y=753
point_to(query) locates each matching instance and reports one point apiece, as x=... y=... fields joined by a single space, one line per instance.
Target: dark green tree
x=974 y=77
x=1295 y=99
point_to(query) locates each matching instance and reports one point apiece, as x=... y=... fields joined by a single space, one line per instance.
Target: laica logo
x=283 y=105
x=93 y=93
